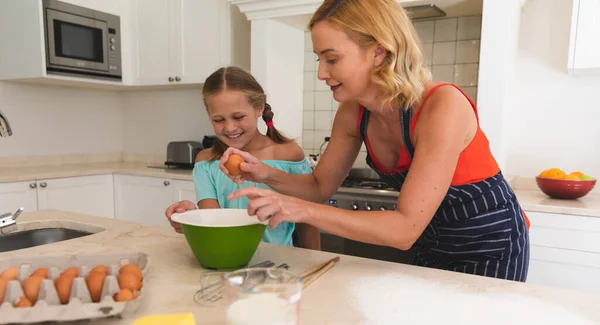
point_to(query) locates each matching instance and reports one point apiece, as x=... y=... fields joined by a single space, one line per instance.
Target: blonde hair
x=402 y=74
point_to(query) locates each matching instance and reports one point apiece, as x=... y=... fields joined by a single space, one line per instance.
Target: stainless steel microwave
x=82 y=42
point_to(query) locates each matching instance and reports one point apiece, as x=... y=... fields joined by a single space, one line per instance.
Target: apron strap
x=405 y=119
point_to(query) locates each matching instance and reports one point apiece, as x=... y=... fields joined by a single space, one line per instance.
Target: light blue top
x=211 y=183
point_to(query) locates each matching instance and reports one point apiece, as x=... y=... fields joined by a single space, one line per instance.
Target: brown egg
x=3 y=285
x=31 y=287
x=42 y=271
x=63 y=286
x=136 y=293
x=233 y=164
x=10 y=274
x=129 y=281
x=72 y=271
x=100 y=268
x=124 y=295
x=23 y=303
x=95 y=282
x=132 y=268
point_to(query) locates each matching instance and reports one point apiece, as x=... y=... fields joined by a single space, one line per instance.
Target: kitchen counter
x=29 y=173
x=530 y=197
x=355 y=291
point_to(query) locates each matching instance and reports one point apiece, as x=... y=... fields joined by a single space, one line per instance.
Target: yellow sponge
x=174 y=319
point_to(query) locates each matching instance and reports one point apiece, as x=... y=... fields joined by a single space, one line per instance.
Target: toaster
x=182 y=153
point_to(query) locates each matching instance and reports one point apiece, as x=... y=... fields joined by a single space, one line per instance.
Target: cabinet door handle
x=167 y=183
x=43 y=184
x=171 y=79
x=33 y=185
x=177 y=79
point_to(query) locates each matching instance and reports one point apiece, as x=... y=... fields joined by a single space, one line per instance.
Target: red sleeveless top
x=475 y=163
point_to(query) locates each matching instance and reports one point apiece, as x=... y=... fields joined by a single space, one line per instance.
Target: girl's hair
x=238 y=79
x=402 y=74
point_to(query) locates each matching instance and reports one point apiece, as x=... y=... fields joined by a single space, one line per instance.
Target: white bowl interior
x=216 y=218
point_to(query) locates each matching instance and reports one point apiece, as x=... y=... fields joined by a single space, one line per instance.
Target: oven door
x=76 y=41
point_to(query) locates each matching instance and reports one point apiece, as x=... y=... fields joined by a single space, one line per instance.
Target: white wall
x=55 y=121
x=554 y=119
x=60 y=121
x=152 y=118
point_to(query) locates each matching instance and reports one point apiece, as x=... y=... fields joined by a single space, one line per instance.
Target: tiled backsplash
x=451 y=50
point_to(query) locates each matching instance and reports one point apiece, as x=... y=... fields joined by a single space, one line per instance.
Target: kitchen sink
x=36 y=237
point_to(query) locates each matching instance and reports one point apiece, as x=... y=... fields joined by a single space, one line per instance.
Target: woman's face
x=233 y=118
x=343 y=65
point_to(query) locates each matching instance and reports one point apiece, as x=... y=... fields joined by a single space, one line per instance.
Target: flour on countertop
x=409 y=301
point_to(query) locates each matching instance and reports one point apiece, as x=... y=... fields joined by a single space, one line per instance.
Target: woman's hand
x=179 y=207
x=252 y=168
x=267 y=204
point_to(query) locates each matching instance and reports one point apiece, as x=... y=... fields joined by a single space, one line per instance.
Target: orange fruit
x=555 y=173
x=571 y=177
x=578 y=174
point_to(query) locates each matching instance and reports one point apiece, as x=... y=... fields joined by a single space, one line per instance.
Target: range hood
x=424 y=12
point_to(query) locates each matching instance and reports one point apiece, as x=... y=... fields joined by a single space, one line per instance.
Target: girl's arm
x=308 y=236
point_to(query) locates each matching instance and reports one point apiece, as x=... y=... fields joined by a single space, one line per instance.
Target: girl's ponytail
x=272 y=132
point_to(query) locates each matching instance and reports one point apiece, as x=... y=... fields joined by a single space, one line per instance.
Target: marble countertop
x=29 y=173
x=355 y=291
x=530 y=197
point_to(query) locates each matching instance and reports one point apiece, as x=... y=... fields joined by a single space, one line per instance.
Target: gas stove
x=363 y=190
x=366 y=183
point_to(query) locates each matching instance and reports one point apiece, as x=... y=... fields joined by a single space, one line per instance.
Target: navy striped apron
x=478 y=228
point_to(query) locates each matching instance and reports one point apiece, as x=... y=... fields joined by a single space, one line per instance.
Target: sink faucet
x=5 y=130
x=8 y=221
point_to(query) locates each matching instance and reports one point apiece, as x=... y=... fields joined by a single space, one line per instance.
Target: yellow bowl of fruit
x=557 y=184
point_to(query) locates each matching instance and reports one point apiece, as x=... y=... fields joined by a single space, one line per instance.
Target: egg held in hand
x=233 y=164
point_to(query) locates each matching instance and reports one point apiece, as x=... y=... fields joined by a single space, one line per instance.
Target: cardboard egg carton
x=80 y=305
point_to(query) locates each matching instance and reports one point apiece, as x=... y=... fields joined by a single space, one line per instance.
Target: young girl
x=234 y=101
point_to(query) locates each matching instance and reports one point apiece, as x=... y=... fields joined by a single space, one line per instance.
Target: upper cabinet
x=120 y=43
x=584 y=45
x=183 y=41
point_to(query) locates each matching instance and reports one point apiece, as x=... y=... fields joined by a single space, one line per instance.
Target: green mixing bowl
x=222 y=239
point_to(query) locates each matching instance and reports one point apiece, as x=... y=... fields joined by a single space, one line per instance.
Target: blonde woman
x=454 y=208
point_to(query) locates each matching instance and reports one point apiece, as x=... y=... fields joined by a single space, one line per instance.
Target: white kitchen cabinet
x=142 y=199
x=16 y=195
x=184 y=190
x=584 y=43
x=565 y=251
x=182 y=41
x=92 y=195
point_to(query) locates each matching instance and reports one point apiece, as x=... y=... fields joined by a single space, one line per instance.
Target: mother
x=455 y=208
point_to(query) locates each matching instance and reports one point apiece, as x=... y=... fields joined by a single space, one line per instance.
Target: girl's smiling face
x=234 y=120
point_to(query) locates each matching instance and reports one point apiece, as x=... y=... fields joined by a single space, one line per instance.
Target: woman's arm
x=333 y=166
x=445 y=125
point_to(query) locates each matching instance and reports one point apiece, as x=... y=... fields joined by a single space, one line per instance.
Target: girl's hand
x=252 y=168
x=267 y=204
x=179 y=207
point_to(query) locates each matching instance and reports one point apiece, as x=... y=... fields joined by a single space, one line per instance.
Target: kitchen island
x=355 y=291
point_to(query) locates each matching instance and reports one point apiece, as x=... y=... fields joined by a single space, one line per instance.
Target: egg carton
x=80 y=305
